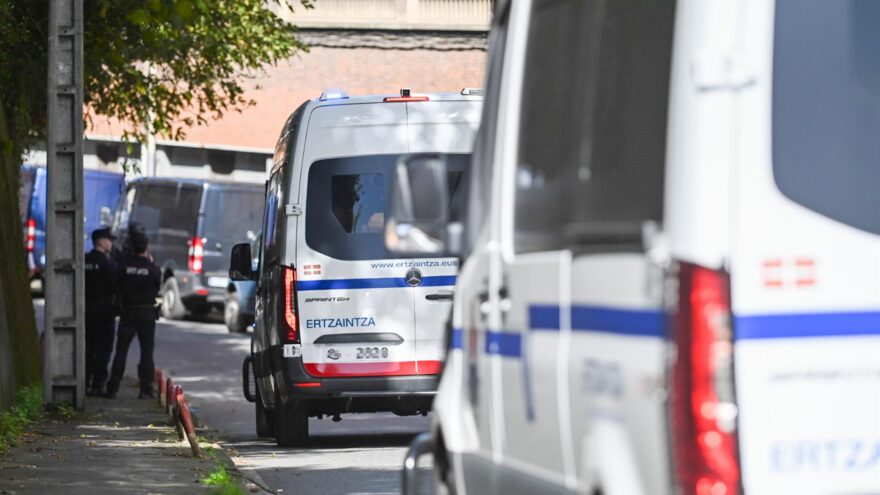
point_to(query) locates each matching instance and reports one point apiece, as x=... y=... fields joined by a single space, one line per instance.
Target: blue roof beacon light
x=333 y=94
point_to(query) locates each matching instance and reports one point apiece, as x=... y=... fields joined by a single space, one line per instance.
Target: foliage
x=164 y=64
x=28 y=407
x=171 y=64
x=219 y=476
x=222 y=482
x=155 y=65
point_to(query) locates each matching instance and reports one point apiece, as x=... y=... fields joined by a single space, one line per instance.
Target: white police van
x=341 y=324
x=671 y=254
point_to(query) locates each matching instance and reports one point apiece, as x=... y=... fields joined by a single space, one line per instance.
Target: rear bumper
x=194 y=290
x=296 y=383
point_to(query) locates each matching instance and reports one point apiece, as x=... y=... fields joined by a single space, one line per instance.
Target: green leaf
x=139 y=17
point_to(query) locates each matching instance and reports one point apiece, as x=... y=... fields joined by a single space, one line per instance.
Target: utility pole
x=64 y=333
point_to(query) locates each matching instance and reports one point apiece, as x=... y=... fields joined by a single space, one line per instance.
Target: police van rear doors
x=806 y=260
x=355 y=306
x=448 y=126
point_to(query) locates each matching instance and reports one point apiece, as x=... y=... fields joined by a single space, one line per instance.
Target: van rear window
x=167 y=207
x=230 y=213
x=347 y=203
x=826 y=108
x=359 y=202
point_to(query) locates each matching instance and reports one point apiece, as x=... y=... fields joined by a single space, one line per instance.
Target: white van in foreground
x=672 y=254
x=342 y=325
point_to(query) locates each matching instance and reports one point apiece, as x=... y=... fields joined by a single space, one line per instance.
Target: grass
x=28 y=407
x=222 y=482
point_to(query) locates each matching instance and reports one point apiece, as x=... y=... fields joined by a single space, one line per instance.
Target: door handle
x=504 y=301
x=440 y=296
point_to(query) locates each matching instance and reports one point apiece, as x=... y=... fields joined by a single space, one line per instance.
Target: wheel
x=235 y=322
x=172 y=306
x=291 y=423
x=265 y=420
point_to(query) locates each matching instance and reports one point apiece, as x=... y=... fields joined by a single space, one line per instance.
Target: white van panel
x=616 y=371
x=443 y=125
x=700 y=135
x=359 y=129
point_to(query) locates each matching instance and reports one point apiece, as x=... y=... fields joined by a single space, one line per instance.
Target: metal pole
x=64 y=333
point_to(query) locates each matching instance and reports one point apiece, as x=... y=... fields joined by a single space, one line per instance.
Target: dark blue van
x=102 y=193
x=192 y=225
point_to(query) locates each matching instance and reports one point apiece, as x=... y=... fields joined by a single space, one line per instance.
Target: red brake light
x=703 y=410
x=399 y=99
x=291 y=321
x=31 y=235
x=196 y=254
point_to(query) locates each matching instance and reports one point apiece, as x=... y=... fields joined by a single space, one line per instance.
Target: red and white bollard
x=160 y=386
x=169 y=389
x=186 y=421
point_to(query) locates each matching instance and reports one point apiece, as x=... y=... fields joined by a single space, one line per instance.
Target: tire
x=265 y=419
x=235 y=322
x=172 y=306
x=291 y=423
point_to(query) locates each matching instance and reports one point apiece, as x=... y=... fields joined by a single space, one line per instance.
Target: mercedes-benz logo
x=413 y=277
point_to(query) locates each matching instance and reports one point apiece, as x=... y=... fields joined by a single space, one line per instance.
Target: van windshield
x=231 y=213
x=348 y=199
x=826 y=108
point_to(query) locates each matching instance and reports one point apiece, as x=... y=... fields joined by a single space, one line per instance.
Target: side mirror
x=419 y=220
x=106 y=218
x=240 y=268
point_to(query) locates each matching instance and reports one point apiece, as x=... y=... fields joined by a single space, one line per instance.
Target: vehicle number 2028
x=372 y=352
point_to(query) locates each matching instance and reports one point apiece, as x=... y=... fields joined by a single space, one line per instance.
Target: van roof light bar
x=333 y=94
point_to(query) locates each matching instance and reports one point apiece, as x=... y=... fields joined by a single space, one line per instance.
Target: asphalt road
x=362 y=454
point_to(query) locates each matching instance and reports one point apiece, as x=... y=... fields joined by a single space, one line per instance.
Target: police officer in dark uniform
x=100 y=310
x=138 y=280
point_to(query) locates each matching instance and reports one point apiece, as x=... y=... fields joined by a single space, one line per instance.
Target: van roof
x=193 y=181
x=355 y=100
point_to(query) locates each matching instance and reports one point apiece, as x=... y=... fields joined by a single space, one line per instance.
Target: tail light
x=702 y=406
x=30 y=235
x=290 y=319
x=196 y=255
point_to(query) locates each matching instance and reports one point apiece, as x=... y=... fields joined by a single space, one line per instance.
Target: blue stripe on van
x=635 y=322
x=642 y=323
x=457 y=339
x=371 y=283
x=507 y=344
x=780 y=326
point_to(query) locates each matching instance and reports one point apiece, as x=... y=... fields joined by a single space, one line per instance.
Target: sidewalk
x=116 y=446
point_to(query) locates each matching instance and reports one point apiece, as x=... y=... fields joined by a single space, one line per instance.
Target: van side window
x=271 y=217
x=593 y=124
x=359 y=202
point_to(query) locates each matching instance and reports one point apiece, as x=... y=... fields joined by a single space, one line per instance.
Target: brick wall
x=358 y=71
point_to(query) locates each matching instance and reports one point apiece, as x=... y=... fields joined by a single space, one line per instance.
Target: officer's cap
x=102 y=233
